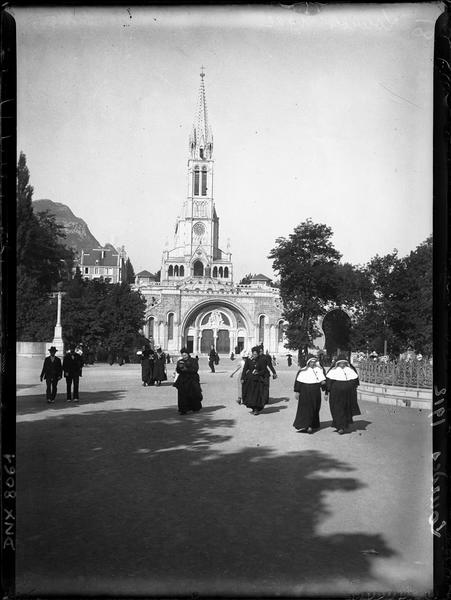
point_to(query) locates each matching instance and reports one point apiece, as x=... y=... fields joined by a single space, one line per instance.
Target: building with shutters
x=105 y=263
x=196 y=303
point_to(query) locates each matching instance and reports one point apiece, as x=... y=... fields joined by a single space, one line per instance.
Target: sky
x=323 y=113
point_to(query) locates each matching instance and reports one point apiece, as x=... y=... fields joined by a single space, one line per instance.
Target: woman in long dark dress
x=342 y=381
x=188 y=384
x=145 y=366
x=308 y=384
x=159 y=367
x=253 y=378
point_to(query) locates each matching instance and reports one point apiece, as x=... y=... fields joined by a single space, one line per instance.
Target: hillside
x=78 y=235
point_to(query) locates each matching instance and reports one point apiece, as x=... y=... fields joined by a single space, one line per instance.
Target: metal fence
x=411 y=373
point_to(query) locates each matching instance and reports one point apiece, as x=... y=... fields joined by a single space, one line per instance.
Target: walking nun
x=309 y=382
x=188 y=384
x=342 y=381
x=253 y=378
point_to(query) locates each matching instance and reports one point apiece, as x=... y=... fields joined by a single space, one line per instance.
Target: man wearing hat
x=52 y=372
x=72 y=367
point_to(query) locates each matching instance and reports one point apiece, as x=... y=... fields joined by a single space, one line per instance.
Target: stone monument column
x=58 y=334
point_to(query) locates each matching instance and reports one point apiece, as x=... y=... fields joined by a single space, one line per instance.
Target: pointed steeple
x=201 y=138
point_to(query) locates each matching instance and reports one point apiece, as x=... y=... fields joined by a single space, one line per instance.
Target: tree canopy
x=390 y=298
x=101 y=315
x=306 y=263
x=43 y=262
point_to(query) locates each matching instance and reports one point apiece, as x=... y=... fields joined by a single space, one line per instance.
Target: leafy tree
x=102 y=316
x=42 y=262
x=353 y=286
x=398 y=311
x=247 y=279
x=410 y=300
x=307 y=265
x=129 y=273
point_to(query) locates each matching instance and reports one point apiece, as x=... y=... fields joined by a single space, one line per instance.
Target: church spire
x=201 y=138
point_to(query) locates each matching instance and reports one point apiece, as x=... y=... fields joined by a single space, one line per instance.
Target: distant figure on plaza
x=52 y=371
x=270 y=369
x=188 y=384
x=253 y=380
x=159 y=367
x=342 y=381
x=213 y=359
x=146 y=368
x=289 y=359
x=72 y=368
x=309 y=382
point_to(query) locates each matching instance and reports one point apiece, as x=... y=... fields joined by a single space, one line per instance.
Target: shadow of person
x=272 y=409
x=277 y=400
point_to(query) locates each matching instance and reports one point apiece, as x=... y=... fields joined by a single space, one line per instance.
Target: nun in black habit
x=146 y=369
x=342 y=381
x=159 y=367
x=253 y=378
x=188 y=384
x=309 y=382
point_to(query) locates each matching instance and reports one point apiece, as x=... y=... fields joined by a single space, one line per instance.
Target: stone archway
x=336 y=326
x=198 y=268
x=218 y=323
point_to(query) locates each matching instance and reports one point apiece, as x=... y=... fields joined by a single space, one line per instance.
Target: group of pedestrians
x=153 y=366
x=340 y=386
x=255 y=378
x=53 y=370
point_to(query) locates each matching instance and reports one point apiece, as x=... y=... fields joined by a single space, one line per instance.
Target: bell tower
x=196 y=250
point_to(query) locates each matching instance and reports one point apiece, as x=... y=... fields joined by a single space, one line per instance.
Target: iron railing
x=404 y=373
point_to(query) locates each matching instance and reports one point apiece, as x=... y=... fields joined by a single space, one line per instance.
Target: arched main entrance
x=216 y=324
x=337 y=330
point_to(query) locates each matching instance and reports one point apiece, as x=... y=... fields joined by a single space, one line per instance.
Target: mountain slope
x=77 y=232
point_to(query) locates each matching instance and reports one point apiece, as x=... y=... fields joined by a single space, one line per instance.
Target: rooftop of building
x=104 y=257
x=145 y=274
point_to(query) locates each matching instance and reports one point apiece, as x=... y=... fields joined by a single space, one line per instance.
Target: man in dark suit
x=52 y=372
x=72 y=367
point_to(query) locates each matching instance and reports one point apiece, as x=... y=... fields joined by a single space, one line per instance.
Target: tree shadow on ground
x=36 y=403
x=148 y=501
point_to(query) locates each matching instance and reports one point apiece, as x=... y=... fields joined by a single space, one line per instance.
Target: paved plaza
x=122 y=495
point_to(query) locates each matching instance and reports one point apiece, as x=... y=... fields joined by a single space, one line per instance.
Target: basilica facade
x=196 y=303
